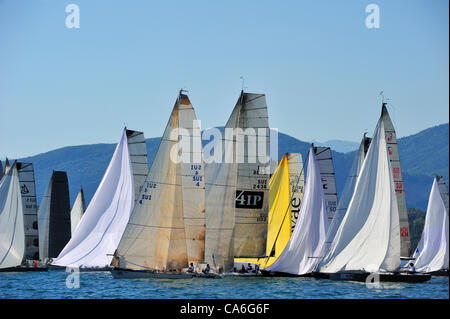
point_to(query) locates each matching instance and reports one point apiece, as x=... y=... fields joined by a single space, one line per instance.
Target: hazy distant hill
x=422 y=155
x=339 y=145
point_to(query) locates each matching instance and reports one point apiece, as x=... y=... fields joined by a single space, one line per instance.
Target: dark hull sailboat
x=23 y=269
x=120 y=273
x=381 y=277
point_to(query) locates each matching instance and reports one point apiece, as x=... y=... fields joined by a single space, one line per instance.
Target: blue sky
x=319 y=65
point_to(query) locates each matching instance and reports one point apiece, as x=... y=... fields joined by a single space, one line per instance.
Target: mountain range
x=422 y=155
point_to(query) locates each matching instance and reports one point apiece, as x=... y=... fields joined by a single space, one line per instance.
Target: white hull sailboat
x=367 y=242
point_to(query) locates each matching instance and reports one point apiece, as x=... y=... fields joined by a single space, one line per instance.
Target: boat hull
x=144 y=274
x=443 y=273
x=362 y=277
x=23 y=269
x=82 y=269
x=268 y=273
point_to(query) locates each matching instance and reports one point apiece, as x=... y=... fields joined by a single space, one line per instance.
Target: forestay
x=308 y=237
x=432 y=251
x=102 y=225
x=167 y=227
x=368 y=238
x=12 y=235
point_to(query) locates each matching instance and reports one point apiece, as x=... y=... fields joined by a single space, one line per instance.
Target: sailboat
x=1 y=170
x=99 y=231
x=237 y=188
x=286 y=187
x=54 y=217
x=12 y=231
x=307 y=239
x=367 y=241
x=347 y=193
x=29 y=205
x=431 y=254
x=166 y=230
x=77 y=211
x=325 y=162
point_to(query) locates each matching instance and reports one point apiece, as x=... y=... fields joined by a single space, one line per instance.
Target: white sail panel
x=77 y=211
x=368 y=238
x=326 y=167
x=432 y=251
x=443 y=190
x=309 y=234
x=138 y=156
x=102 y=225
x=297 y=183
x=12 y=235
x=391 y=140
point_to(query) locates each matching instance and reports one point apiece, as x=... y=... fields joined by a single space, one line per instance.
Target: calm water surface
x=52 y=284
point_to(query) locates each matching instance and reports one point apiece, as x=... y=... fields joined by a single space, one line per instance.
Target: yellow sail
x=279 y=223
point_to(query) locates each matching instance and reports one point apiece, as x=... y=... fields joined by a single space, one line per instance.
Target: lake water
x=52 y=284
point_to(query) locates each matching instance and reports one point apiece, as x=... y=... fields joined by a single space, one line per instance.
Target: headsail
x=77 y=211
x=368 y=238
x=54 y=217
x=432 y=251
x=327 y=175
x=138 y=156
x=309 y=234
x=391 y=140
x=237 y=187
x=29 y=205
x=166 y=229
x=101 y=227
x=12 y=236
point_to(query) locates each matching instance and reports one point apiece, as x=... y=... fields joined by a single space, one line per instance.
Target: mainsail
x=237 y=187
x=309 y=234
x=327 y=175
x=7 y=166
x=391 y=140
x=138 y=156
x=443 y=190
x=167 y=227
x=101 y=227
x=77 y=211
x=54 y=217
x=29 y=205
x=12 y=235
x=432 y=251
x=297 y=181
x=368 y=238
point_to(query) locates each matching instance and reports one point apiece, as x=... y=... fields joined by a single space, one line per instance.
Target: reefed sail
x=368 y=238
x=237 y=186
x=327 y=175
x=394 y=158
x=432 y=251
x=166 y=229
x=101 y=227
x=12 y=235
x=54 y=217
x=308 y=237
x=77 y=211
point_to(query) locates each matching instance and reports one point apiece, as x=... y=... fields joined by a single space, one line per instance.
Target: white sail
x=138 y=156
x=310 y=231
x=166 y=229
x=368 y=238
x=432 y=251
x=346 y=195
x=297 y=183
x=394 y=158
x=29 y=205
x=77 y=211
x=237 y=189
x=326 y=167
x=101 y=227
x=1 y=170
x=12 y=235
